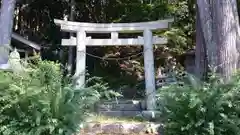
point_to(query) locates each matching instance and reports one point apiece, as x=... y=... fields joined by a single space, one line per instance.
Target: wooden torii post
x=81 y=41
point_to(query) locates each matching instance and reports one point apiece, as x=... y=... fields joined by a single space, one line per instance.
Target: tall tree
x=205 y=15
x=6 y=24
x=236 y=16
x=218 y=22
x=201 y=52
x=71 y=49
x=226 y=36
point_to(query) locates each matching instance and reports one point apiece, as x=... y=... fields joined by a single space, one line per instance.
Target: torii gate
x=81 y=41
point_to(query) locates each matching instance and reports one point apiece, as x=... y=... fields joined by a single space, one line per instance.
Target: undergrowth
x=201 y=108
x=41 y=101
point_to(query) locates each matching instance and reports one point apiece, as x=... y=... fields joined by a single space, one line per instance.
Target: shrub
x=198 y=108
x=42 y=102
x=102 y=88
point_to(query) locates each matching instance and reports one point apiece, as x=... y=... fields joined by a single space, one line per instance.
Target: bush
x=197 y=108
x=42 y=102
x=102 y=88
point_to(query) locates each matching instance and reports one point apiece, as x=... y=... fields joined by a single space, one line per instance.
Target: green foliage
x=181 y=33
x=102 y=88
x=137 y=12
x=196 y=108
x=43 y=102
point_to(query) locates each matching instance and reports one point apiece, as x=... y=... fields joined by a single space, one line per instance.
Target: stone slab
x=119 y=107
x=121 y=101
x=121 y=113
x=123 y=128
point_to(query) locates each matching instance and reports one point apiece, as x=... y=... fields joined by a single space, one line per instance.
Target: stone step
x=121 y=106
x=121 y=101
x=121 y=113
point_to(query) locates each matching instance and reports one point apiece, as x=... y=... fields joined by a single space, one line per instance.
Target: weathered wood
x=149 y=70
x=25 y=41
x=110 y=42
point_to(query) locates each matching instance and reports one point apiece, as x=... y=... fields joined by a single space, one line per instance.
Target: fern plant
x=200 y=108
x=39 y=102
x=102 y=88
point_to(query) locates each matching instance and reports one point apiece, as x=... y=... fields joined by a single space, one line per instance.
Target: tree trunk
x=218 y=21
x=205 y=13
x=71 y=48
x=226 y=37
x=200 y=51
x=236 y=16
x=6 y=24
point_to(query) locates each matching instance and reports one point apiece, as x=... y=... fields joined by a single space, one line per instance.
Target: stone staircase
x=122 y=114
x=121 y=108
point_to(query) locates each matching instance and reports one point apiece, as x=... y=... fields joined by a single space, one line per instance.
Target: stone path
x=121 y=128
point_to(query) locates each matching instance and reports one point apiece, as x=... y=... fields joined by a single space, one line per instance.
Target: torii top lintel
x=70 y=26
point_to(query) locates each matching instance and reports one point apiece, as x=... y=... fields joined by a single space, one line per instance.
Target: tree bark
x=220 y=29
x=200 y=51
x=6 y=24
x=226 y=34
x=206 y=14
x=71 y=48
x=236 y=16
